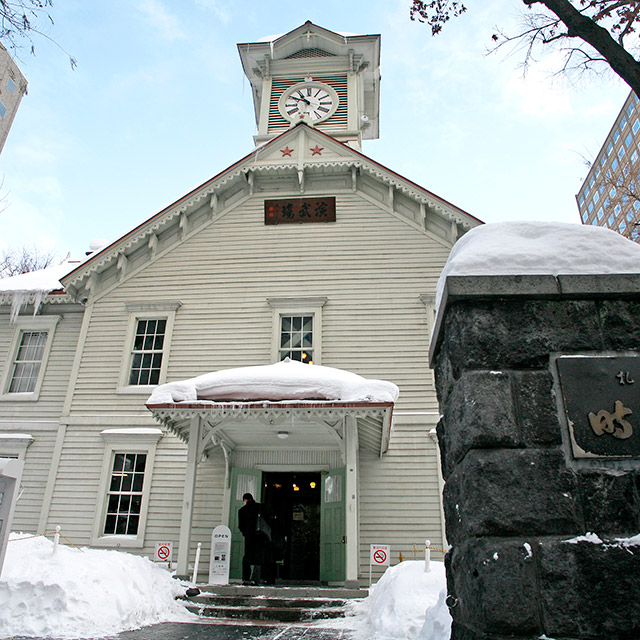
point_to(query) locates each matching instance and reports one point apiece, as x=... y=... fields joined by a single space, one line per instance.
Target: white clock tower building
x=329 y=80
x=304 y=250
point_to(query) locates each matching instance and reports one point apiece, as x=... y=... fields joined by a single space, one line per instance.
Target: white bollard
x=195 y=565
x=427 y=556
x=56 y=539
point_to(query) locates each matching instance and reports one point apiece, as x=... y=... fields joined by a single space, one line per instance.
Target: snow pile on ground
x=540 y=248
x=286 y=380
x=82 y=593
x=405 y=604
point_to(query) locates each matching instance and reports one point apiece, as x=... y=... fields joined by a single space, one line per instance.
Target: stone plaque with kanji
x=601 y=404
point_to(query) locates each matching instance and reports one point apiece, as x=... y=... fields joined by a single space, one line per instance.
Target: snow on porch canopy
x=287 y=404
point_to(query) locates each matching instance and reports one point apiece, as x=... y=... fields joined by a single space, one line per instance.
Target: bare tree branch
x=602 y=26
x=20 y=21
x=13 y=262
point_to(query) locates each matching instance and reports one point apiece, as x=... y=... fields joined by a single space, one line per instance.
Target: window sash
x=147 y=351
x=124 y=495
x=296 y=338
x=27 y=362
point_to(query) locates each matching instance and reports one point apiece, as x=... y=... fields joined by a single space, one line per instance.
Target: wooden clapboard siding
x=56 y=375
x=40 y=419
x=35 y=473
x=399 y=496
x=78 y=483
x=207 y=506
x=370 y=265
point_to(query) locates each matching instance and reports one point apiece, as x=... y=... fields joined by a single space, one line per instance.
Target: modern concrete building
x=610 y=194
x=13 y=86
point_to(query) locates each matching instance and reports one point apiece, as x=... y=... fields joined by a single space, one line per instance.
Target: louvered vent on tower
x=337 y=122
x=310 y=53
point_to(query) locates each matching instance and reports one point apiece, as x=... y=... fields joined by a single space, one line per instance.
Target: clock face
x=308 y=101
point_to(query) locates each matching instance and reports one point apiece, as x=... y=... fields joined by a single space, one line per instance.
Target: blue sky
x=158 y=104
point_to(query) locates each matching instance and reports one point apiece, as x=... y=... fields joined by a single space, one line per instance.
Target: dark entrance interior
x=293 y=503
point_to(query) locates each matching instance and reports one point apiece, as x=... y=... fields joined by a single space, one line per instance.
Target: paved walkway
x=233 y=631
x=206 y=630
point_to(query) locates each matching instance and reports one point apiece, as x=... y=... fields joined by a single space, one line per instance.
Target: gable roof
x=302 y=151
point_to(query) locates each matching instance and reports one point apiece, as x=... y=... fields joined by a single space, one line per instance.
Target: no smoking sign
x=164 y=551
x=380 y=555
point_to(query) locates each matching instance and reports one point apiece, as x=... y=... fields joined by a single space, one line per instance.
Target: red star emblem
x=286 y=152
x=316 y=151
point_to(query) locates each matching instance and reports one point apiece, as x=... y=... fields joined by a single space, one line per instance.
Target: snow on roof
x=34 y=285
x=47 y=279
x=286 y=380
x=540 y=248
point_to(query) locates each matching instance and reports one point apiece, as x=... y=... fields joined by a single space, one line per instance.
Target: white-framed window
x=148 y=342
x=27 y=358
x=11 y=85
x=125 y=485
x=297 y=328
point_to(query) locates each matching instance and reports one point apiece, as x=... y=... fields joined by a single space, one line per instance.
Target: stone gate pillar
x=538 y=379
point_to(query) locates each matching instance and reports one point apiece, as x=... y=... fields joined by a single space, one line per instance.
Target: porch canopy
x=287 y=405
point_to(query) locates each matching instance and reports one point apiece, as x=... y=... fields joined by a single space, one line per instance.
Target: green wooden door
x=332 y=527
x=242 y=481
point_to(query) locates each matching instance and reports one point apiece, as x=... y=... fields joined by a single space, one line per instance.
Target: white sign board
x=164 y=552
x=220 y=555
x=380 y=555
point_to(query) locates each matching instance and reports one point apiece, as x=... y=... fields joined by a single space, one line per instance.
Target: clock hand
x=303 y=100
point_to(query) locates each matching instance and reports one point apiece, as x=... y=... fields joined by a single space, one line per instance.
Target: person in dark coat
x=256 y=543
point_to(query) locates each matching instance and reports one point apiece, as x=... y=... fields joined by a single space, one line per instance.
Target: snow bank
x=88 y=593
x=405 y=604
x=540 y=248
x=286 y=380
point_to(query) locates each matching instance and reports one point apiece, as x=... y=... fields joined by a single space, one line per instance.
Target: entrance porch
x=315 y=441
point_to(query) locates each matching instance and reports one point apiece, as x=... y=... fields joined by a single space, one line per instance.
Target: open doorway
x=292 y=500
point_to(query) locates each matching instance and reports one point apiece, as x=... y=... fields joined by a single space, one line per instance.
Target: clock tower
x=330 y=81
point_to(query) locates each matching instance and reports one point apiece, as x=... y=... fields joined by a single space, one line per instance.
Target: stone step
x=267 y=603
x=258 y=612
x=341 y=593
x=240 y=600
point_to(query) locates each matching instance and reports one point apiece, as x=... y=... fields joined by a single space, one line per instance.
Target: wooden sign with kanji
x=294 y=210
